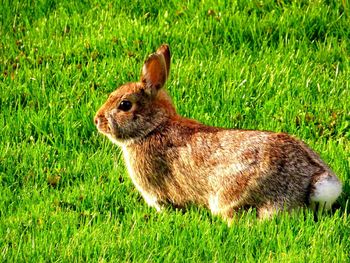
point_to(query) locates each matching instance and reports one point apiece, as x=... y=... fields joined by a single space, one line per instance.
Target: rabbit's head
x=136 y=109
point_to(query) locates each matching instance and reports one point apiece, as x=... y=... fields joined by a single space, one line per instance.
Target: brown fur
x=179 y=161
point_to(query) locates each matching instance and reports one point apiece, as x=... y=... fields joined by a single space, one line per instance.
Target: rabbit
x=178 y=161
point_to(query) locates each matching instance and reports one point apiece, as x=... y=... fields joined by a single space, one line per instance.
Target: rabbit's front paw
x=153 y=201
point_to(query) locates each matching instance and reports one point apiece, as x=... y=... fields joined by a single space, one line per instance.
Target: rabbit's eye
x=125 y=105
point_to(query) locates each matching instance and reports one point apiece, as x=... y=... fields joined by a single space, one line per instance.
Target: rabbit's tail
x=326 y=188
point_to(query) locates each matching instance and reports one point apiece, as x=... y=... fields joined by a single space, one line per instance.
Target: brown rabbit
x=175 y=160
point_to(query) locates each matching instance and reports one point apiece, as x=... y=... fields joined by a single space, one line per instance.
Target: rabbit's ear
x=155 y=71
x=165 y=51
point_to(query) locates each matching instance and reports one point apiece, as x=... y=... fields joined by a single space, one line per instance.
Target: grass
x=65 y=194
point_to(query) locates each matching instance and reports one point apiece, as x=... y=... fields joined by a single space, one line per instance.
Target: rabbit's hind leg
x=228 y=211
x=268 y=210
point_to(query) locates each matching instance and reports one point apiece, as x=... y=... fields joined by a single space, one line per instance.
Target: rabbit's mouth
x=111 y=126
x=105 y=125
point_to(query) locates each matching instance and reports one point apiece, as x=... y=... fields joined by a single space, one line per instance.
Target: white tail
x=327 y=189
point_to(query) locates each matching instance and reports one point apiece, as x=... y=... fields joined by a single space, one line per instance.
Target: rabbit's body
x=180 y=161
x=223 y=169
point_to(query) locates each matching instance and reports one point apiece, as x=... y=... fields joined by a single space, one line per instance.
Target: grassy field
x=64 y=191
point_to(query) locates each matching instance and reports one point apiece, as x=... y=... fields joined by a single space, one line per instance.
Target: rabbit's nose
x=97 y=120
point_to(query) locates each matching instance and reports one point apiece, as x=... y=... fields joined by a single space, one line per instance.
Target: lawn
x=65 y=195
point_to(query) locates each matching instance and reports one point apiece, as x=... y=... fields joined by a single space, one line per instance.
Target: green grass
x=65 y=194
